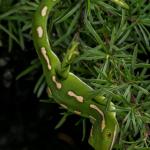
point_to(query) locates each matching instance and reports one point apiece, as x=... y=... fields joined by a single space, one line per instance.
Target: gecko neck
x=41 y=43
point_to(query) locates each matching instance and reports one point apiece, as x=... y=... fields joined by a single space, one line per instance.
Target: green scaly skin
x=71 y=92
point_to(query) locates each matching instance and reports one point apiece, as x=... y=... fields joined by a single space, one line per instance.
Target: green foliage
x=114 y=54
x=16 y=22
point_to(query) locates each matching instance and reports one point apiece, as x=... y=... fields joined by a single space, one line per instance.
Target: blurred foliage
x=114 y=54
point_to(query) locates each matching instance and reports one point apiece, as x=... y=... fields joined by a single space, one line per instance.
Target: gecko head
x=104 y=130
x=103 y=139
x=109 y=134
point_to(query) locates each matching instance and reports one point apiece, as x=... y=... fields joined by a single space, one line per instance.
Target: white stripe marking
x=114 y=136
x=44 y=11
x=58 y=85
x=49 y=92
x=77 y=112
x=39 y=31
x=91 y=132
x=101 y=113
x=64 y=106
x=78 y=98
x=43 y=51
x=91 y=117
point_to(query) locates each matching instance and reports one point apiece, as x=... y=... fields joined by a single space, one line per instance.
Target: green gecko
x=68 y=90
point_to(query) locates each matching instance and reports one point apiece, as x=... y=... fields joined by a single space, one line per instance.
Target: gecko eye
x=108 y=134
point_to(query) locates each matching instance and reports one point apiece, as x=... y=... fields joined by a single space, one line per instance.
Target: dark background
x=25 y=122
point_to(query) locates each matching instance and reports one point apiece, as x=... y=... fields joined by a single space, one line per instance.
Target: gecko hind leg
x=70 y=55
